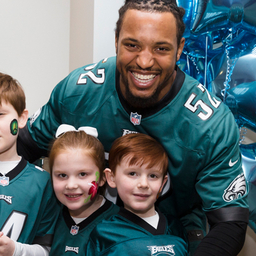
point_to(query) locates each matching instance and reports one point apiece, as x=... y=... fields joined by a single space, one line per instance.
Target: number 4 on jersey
x=14 y=225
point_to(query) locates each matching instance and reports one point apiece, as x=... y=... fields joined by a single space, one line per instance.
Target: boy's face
x=10 y=122
x=137 y=186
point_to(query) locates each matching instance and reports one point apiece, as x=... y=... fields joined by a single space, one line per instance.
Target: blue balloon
x=213 y=15
x=193 y=66
x=234 y=66
x=249 y=169
x=188 y=6
x=232 y=77
x=249 y=152
x=244 y=96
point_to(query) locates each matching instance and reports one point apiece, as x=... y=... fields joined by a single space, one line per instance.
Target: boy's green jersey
x=196 y=129
x=28 y=207
x=127 y=234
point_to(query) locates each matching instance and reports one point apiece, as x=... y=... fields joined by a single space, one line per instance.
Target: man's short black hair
x=154 y=6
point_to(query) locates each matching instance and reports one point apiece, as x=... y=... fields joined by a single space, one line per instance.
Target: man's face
x=147 y=53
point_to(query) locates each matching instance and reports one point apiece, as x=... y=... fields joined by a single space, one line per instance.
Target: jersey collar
x=142 y=223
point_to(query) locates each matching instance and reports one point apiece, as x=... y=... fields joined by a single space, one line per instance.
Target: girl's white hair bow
x=69 y=128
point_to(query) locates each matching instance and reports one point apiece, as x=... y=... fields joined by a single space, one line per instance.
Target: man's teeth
x=143 y=78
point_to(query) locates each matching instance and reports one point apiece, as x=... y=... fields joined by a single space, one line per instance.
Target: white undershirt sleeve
x=30 y=250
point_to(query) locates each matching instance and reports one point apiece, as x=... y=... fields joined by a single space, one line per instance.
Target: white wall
x=81 y=33
x=42 y=41
x=105 y=17
x=34 y=45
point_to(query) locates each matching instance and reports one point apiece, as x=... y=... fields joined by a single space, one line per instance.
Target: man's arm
x=27 y=147
x=227 y=232
x=225 y=239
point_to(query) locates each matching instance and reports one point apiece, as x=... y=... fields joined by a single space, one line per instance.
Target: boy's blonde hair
x=11 y=92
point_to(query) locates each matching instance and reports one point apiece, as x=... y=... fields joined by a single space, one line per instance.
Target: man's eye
x=131 y=46
x=162 y=49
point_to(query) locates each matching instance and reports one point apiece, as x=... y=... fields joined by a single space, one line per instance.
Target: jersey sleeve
x=221 y=183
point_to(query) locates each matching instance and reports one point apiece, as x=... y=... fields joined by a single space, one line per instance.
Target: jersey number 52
x=207 y=110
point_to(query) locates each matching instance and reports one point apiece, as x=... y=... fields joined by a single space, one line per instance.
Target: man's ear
x=110 y=178
x=116 y=44
x=23 y=118
x=180 y=48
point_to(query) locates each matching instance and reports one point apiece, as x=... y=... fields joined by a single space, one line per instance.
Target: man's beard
x=144 y=102
x=140 y=102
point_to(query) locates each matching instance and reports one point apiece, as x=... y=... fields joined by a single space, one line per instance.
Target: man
x=142 y=90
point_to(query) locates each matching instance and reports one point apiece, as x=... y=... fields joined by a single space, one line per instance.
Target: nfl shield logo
x=74 y=230
x=135 y=118
x=4 y=181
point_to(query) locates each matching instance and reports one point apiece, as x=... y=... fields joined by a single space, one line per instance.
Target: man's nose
x=145 y=59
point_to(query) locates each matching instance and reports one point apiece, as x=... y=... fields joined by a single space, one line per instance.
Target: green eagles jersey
x=196 y=129
x=127 y=234
x=28 y=207
x=70 y=238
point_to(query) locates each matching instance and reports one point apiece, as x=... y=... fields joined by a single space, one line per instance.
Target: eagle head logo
x=236 y=188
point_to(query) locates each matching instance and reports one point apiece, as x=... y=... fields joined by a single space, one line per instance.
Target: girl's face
x=75 y=181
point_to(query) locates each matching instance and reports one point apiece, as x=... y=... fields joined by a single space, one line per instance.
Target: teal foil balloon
x=232 y=77
x=193 y=66
x=189 y=8
x=244 y=97
x=249 y=169
x=212 y=15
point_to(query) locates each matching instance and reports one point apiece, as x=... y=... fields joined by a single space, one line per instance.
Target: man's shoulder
x=37 y=173
x=89 y=80
x=200 y=103
x=96 y=72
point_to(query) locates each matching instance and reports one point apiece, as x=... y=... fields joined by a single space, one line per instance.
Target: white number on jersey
x=96 y=79
x=14 y=225
x=208 y=111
